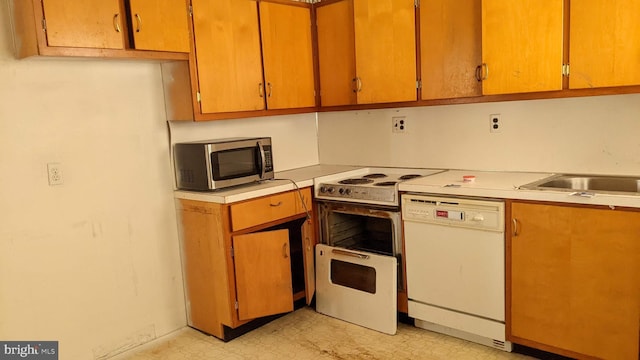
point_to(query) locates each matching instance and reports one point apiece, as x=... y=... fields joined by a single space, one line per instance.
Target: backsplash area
x=294 y=137
x=573 y=135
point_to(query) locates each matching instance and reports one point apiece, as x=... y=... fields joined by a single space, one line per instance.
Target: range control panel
x=463 y=212
x=332 y=191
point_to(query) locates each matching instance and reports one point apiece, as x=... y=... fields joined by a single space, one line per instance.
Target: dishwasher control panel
x=484 y=214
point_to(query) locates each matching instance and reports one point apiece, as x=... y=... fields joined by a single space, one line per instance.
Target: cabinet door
x=336 y=53
x=227 y=49
x=84 y=23
x=161 y=25
x=450 y=48
x=263 y=274
x=522 y=45
x=287 y=55
x=604 y=46
x=309 y=245
x=385 y=42
x=575 y=280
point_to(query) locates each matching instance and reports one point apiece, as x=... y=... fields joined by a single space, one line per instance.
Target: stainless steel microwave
x=215 y=164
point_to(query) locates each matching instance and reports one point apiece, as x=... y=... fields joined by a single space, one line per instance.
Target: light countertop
x=491 y=184
x=506 y=185
x=284 y=181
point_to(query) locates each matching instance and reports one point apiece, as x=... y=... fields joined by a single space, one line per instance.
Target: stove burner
x=386 y=183
x=357 y=181
x=375 y=176
x=409 y=176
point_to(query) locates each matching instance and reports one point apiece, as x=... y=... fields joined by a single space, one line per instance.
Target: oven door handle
x=349 y=253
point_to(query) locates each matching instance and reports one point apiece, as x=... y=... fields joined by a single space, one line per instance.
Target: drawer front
x=267 y=209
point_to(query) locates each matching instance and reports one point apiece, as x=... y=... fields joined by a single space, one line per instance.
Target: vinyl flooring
x=306 y=334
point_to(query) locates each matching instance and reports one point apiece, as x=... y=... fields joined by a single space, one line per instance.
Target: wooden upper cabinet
x=604 y=43
x=367 y=51
x=522 y=46
x=385 y=46
x=287 y=49
x=161 y=25
x=336 y=53
x=228 y=58
x=85 y=23
x=101 y=28
x=450 y=48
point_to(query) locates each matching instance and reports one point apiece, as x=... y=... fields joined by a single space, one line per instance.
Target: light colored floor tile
x=306 y=334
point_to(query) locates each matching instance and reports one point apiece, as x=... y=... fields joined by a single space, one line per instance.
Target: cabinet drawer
x=268 y=208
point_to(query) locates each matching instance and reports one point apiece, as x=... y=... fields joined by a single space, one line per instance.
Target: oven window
x=353 y=276
x=361 y=232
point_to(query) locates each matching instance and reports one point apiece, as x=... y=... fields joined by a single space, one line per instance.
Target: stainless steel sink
x=589 y=183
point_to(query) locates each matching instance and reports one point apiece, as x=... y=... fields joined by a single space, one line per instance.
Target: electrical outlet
x=55 y=174
x=399 y=124
x=495 y=123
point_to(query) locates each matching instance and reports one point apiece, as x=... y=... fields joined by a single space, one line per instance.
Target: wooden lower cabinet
x=237 y=278
x=573 y=279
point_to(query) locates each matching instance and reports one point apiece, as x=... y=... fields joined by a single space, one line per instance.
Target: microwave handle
x=263 y=162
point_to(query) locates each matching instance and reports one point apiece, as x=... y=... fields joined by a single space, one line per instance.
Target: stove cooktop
x=367 y=185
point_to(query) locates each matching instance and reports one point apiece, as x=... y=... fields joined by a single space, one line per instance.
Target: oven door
x=358 y=287
x=361 y=228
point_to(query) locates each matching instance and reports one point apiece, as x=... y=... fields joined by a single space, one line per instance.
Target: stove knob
x=323 y=189
x=341 y=191
x=347 y=192
x=331 y=190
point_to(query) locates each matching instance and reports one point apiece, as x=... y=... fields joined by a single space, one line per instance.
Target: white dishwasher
x=455 y=262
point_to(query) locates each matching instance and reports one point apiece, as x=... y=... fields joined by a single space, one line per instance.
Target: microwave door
x=235 y=166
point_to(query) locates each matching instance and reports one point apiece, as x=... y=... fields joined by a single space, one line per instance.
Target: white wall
x=93 y=263
x=581 y=135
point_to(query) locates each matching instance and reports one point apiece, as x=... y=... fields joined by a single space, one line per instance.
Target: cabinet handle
x=284 y=250
x=515 y=227
x=484 y=72
x=138 y=23
x=261 y=89
x=478 y=73
x=275 y=205
x=358 y=82
x=116 y=23
x=270 y=89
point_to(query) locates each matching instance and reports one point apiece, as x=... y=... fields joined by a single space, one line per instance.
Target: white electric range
x=359 y=258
